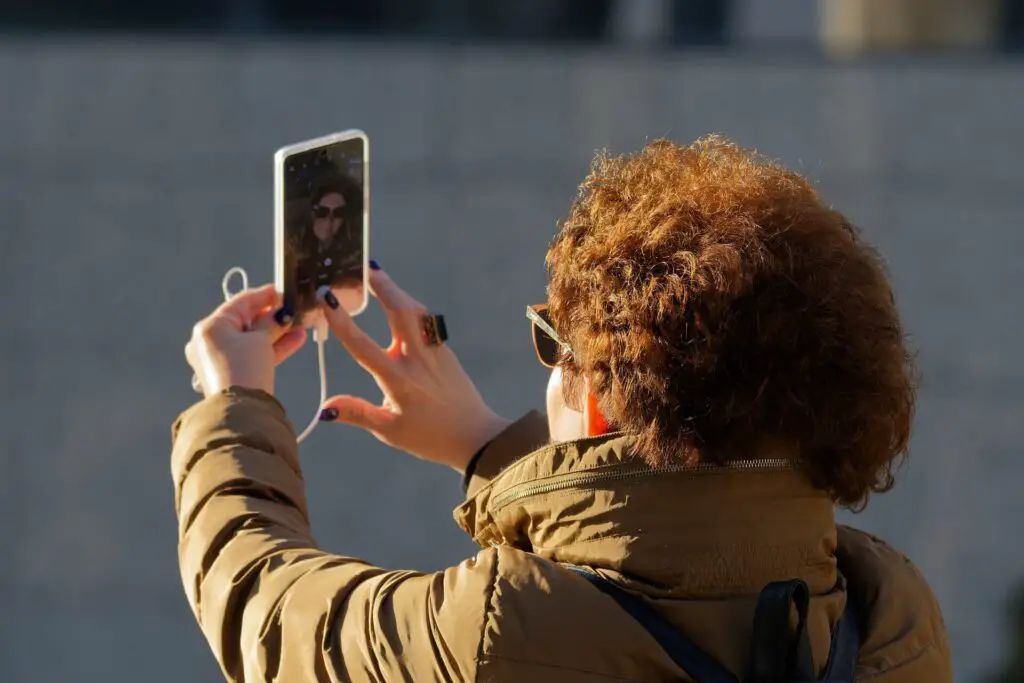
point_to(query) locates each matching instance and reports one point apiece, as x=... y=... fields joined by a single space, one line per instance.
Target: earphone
x=320 y=334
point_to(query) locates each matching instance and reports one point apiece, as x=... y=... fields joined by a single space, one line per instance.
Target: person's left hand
x=430 y=407
x=242 y=342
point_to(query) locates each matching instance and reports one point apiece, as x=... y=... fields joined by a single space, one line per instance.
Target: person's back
x=728 y=366
x=698 y=545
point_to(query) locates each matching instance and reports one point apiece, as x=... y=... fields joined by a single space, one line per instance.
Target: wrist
x=483 y=433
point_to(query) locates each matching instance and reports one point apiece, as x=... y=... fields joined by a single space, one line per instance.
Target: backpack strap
x=778 y=655
x=845 y=649
x=700 y=666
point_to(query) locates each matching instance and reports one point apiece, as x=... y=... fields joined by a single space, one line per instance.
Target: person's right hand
x=431 y=409
x=241 y=342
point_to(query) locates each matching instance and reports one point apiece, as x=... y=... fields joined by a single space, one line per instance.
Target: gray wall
x=134 y=174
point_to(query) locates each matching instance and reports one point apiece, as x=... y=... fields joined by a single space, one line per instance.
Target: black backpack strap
x=845 y=649
x=701 y=667
x=776 y=654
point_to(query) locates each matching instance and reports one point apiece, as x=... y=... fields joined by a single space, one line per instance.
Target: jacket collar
x=687 y=531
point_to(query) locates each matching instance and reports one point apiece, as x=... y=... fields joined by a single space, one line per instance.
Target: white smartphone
x=322 y=222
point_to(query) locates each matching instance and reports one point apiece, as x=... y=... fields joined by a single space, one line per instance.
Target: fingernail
x=327 y=295
x=284 y=316
x=328 y=414
x=374 y=265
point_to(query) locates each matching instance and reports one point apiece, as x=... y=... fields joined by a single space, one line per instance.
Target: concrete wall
x=133 y=174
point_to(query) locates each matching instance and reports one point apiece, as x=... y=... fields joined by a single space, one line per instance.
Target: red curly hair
x=712 y=300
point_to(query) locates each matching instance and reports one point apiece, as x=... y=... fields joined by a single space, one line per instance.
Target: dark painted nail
x=284 y=316
x=331 y=300
x=374 y=265
x=328 y=414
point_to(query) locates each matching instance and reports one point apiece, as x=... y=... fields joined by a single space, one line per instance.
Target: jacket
x=696 y=544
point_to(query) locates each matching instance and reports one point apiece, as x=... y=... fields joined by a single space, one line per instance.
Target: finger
x=288 y=344
x=267 y=322
x=245 y=306
x=360 y=346
x=403 y=311
x=360 y=413
x=389 y=293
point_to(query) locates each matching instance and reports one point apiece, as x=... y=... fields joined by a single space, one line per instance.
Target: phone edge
x=280 y=156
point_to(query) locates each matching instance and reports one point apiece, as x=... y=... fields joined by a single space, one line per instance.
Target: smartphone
x=322 y=222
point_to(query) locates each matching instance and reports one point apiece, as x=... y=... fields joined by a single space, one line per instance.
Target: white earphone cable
x=225 y=283
x=320 y=337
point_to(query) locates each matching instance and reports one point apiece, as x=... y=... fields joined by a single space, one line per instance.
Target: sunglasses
x=551 y=349
x=325 y=211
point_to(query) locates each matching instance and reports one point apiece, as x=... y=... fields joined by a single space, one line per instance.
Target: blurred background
x=136 y=142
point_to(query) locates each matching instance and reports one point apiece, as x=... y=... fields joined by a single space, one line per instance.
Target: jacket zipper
x=517 y=493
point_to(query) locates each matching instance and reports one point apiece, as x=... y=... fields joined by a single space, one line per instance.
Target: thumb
x=360 y=413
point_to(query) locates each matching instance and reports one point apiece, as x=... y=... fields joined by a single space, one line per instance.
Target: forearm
x=272 y=605
x=245 y=545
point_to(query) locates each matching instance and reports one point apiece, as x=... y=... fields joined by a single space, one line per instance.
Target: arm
x=272 y=605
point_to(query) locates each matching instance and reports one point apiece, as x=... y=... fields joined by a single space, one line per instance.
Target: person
x=728 y=367
x=329 y=244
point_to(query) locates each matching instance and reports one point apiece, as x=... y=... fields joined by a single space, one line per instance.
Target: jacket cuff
x=230 y=395
x=520 y=438
x=471 y=467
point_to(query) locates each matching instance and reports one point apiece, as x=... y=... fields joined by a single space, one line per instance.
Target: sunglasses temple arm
x=542 y=324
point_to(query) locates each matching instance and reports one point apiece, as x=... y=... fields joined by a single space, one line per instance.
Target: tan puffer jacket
x=696 y=544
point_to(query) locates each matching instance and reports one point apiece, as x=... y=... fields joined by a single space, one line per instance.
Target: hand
x=431 y=409
x=241 y=343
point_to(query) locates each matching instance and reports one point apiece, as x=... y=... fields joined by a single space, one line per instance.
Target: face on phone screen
x=323 y=225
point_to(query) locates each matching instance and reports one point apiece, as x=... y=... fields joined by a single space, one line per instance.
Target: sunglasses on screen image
x=325 y=211
x=551 y=349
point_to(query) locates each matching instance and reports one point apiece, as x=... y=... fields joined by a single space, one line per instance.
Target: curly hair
x=341 y=184
x=336 y=183
x=712 y=300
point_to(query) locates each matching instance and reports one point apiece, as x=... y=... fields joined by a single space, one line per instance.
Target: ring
x=435 y=332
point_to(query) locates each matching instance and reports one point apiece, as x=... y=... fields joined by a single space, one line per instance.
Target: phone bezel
x=280 y=157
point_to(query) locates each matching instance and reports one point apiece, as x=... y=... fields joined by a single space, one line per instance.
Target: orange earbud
x=593 y=418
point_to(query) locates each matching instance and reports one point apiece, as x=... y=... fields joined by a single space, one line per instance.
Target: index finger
x=250 y=303
x=267 y=323
x=360 y=345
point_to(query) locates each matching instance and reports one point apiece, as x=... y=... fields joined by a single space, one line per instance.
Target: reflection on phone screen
x=323 y=225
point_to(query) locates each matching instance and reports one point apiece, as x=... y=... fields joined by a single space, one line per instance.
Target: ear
x=594 y=421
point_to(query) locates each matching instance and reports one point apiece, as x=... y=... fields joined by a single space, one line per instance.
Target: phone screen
x=324 y=225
